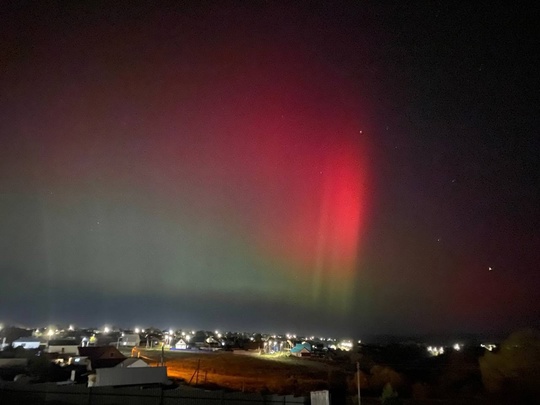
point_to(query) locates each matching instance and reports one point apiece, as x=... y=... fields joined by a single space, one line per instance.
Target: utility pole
x=358 y=381
x=163 y=355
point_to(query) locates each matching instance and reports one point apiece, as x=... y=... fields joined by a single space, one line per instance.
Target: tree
x=382 y=375
x=389 y=396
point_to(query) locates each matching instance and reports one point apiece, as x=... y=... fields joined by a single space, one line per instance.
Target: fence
x=52 y=394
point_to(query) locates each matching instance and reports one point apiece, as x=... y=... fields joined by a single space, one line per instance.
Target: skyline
x=353 y=168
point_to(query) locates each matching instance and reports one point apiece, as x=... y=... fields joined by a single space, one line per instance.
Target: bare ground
x=254 y=372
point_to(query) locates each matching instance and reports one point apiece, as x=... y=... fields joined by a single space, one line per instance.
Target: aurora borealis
x=258 y=167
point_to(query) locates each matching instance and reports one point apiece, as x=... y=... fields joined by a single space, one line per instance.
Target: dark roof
x=64 y=342
x=102 y=356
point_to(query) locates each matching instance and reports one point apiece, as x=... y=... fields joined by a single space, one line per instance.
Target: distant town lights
x=435 y=351
x=345 y=345
x=488 y=346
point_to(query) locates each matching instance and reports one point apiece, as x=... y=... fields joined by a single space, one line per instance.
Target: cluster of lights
x=435 y=351
x=169 y=335
x=274 y=345
x=457 y=347
x=290 y=336
x=488 y=346
x=345 y=345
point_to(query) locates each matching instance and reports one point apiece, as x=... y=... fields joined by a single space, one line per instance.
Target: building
x=124 y=376
x=100 y=356
x=133 y=362
x=63 y=346
x=29 y=342
x=181 y=345
x=301 y=350
x=130 y=339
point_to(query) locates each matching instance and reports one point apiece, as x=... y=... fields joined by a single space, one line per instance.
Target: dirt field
x=244 y=372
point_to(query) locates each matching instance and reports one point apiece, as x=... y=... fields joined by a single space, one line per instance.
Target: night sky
x=310 y=168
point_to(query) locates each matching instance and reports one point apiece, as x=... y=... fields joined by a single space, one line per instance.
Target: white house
x=118 y=376
x=63 y=346
x=29 y=342
x=133 y=362
x=181 y=345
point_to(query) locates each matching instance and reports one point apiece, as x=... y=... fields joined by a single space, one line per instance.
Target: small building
x=125 y=376
x=102 y=356
x=63 y=346
x=130 y=339
x=80 y=361
x=301 y=350
x=133 y=362
x=181 y=345
x=29 y=342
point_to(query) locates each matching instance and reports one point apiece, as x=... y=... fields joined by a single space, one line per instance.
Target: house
x=212 y=341
x=63 y=346
x=181 y=345
x=29 y=342
x=101 y=356
x=130 y=339
x=133 y=362
x=301 y=350
x=124 y=376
